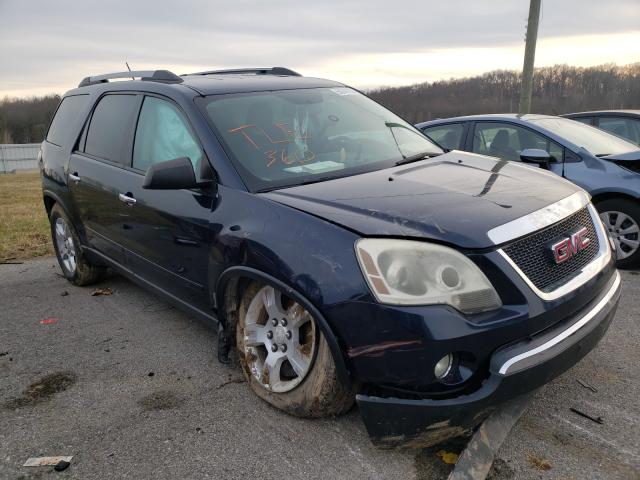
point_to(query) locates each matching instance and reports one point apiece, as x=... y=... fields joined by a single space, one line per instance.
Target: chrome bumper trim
x=565 y=333
x=539 y=219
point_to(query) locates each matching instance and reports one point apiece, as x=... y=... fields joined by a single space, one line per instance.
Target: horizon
x=364 y=44
x=373 y=89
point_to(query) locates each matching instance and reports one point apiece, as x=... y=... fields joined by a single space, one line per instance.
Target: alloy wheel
x=624 y=231
x=279 y=340
x=65 y=245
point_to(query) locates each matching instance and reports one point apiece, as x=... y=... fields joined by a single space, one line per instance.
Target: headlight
x=405 y=272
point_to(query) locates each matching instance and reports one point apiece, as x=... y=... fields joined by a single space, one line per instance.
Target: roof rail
x=282 y=71
x=164 y=76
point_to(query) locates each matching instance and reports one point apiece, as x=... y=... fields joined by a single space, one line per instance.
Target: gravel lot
x=132 y=389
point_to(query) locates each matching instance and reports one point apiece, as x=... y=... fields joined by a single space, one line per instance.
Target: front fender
x=344 y=373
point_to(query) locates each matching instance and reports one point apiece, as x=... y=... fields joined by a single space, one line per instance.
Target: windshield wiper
x=416 y=157
x=410 y=158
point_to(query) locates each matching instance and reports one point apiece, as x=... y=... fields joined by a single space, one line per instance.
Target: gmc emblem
x=566 y=248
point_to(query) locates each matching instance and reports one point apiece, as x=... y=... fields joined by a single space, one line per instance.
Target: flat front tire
x=75 y=266
x=285 y=357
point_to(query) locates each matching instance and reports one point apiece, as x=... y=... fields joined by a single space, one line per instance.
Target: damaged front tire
x=285 y=357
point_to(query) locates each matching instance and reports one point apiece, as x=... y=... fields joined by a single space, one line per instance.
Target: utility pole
x=529 y=56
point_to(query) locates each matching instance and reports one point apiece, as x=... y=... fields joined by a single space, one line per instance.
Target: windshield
x=289 y=137
x=592 y=139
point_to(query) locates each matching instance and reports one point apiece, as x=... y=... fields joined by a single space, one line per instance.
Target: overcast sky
x=48 y=46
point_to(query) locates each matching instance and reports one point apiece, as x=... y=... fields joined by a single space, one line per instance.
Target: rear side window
x=67 y=112
x=110 y=127
x=447 y=136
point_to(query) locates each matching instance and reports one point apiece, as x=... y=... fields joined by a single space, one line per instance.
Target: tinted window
x=624 y=127
x=288 y=137
x=163 y=134
x=67 y=112
x=109 y=127
x=506 y=141
x=590 y=138
x=586 y=120
x=447 y=136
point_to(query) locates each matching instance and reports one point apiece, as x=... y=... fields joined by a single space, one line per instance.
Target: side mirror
x=536 y=155
x=172 y=175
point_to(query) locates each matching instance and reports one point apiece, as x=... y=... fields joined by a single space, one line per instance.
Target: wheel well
x=229 y=292
x=48 y=204
x=230 y=301
x=601 y=197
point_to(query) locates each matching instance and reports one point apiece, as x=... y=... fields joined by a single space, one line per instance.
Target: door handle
x=74 y=176
x=127 y=198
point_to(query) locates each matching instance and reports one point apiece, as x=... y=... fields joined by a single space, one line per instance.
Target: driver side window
x=507 y=141
x=163 y=134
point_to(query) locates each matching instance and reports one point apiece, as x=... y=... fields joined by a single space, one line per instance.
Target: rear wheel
x=75 y=266
x=285 y=357
x=621 y=218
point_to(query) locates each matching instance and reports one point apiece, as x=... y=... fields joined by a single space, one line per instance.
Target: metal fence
x=18 y=157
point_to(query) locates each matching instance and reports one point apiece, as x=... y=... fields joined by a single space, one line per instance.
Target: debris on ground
x=61 y=465
x=2 y=354
x=586 y=385
x=538 y=462
x=233 y=380
x=11 y=263
x=151 y=374
x=64 y=293
x=450 y=458
x=586 y=415
x=99 y=292
x=47 y=461
x=48 y=321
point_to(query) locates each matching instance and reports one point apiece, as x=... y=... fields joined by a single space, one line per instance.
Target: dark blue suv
x=343 y=254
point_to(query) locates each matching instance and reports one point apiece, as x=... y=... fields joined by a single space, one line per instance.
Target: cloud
x=49 y=46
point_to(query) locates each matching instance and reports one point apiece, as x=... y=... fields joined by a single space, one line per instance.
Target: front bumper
x=514 y=370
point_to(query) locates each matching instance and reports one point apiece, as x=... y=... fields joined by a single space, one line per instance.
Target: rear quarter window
x=68 y=110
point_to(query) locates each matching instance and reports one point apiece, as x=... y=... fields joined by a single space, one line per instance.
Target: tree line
x=25 y=120
x=558 y=89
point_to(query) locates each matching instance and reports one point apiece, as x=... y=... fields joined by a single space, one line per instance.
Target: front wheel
x=621 y=218
x=285 y=357
x=75 y=266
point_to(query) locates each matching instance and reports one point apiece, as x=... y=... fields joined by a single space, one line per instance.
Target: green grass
x=24 y=227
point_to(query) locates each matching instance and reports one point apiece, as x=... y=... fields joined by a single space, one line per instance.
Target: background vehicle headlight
x=405 y=272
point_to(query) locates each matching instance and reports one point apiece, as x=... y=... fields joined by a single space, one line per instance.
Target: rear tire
x=75 y=266
x=285 y=357
x=621 y=218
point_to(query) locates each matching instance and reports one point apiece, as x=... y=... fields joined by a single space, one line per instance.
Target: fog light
x=443 y=367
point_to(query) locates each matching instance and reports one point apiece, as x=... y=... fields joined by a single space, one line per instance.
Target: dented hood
x=454 y=198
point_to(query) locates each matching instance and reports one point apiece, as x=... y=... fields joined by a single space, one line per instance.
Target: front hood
x=454 y=198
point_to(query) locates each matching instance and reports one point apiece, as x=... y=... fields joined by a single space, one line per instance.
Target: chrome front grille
x=534 y=257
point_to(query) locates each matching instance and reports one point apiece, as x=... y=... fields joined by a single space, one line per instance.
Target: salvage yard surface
x=131 y=388
x=24 y=227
